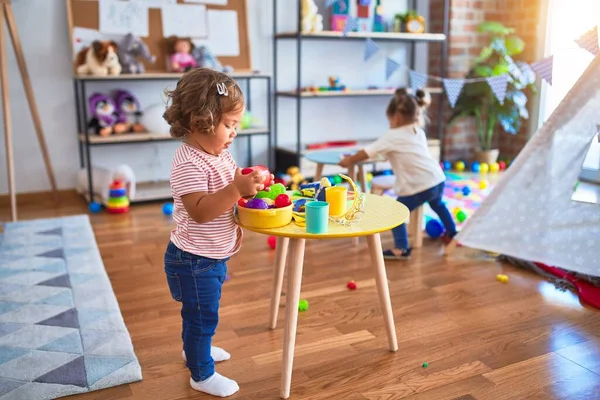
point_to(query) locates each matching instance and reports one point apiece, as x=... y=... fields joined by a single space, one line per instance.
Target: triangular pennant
x=589 y=40
x=498 y=85
x=544 y=68
x=390 y=67
x=418 y=80
x=453 y=88
x=72 y=373
x=350 y=25
x=370 y=49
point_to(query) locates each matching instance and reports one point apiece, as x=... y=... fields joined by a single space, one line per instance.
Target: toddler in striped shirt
x=206 y=108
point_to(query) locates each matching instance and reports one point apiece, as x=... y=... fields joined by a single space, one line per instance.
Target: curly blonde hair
x=196 y=105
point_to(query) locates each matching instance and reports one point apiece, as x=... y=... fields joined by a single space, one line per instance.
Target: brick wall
x=465 y=43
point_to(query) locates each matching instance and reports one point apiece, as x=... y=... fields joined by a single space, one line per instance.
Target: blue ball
x=167 y=208
x=95 y=207
x=475 y=166
x=434 y=228
x=331 y=180
x=447 y=165
x=387 y=172
x=466 y=190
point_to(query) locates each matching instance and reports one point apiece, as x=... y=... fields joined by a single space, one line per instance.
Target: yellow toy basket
x=265 y=219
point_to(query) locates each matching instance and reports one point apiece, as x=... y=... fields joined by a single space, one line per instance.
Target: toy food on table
x=264 y=171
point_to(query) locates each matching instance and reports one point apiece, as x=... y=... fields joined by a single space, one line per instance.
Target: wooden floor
x=481 y=339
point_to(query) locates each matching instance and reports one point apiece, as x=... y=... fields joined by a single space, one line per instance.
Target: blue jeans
x=196 y=283
x=433 y=196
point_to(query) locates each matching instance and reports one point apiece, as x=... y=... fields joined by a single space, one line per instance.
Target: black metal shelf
x=87 y=141
x=410 y=39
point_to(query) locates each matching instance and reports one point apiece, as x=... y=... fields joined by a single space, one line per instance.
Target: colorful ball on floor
x=484 y=168
x=434 y=228
x=303 y=305
x=461 y=216
x=95 y=207
x=483 y=184
x=167 y=208
x=459 y=166
x=502 y=165
x=272 y=242
x=466 y=190
x=475 y=166
x=447 y=165
x=494 y=167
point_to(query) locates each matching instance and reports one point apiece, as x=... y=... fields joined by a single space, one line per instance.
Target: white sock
x=216 y=385
x=217 y=353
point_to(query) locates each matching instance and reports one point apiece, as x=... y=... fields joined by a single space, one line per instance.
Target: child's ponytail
x=412 y=107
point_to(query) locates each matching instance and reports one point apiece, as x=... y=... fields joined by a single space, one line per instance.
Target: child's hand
x=346 y=162
x=248 y=185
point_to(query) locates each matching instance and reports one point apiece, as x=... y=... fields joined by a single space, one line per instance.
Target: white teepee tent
x=530 y=214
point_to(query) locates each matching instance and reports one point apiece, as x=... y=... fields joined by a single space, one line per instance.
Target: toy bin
x=265 y=219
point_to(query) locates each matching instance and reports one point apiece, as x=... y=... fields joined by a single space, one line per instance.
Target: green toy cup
x=317 y=217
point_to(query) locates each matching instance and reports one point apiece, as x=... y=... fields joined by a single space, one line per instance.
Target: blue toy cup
x=317 y=217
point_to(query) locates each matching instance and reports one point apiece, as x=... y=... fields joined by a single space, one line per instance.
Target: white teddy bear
x=312 y=21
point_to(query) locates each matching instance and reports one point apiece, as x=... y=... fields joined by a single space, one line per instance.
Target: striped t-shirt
x=196 y=171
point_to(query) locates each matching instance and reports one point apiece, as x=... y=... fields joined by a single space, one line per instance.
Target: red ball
x=272 y=241
x=264 y=171
x=242 y=202
x=502 y=165
x=351 y=285
x=282 y=200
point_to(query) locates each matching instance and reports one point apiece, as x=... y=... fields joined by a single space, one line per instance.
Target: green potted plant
x=477 y=99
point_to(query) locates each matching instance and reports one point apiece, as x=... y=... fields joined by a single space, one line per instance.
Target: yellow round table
x=382 y=213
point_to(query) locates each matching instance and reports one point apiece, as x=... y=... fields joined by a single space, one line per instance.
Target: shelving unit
x=284 y=155
x=160 y=190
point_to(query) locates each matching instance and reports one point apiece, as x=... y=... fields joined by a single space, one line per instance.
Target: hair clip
x=222 y=89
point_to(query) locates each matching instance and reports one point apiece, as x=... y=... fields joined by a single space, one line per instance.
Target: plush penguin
x=104 y=116
x=129 y=111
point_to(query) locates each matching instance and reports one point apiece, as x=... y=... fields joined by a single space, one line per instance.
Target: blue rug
x=61 y=330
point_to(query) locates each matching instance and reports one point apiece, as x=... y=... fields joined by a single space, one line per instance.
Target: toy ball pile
x=272 y=196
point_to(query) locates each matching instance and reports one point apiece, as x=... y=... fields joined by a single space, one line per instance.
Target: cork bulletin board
x=85 y=14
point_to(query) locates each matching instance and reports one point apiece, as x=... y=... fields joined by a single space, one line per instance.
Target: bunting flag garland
x=390 y=67
x=453 y=88
x=370 y=49
x=544 y=68
x=498 y=85
x=589 y=40
x=329 y=3
x=351 y=25
x=417 y=80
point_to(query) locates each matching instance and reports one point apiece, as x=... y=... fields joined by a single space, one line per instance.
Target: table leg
x=294 y=283
x=280 y=257
x=383 y=289
x=318 y=172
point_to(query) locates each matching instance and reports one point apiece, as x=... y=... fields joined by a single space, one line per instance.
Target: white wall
x=42 y=26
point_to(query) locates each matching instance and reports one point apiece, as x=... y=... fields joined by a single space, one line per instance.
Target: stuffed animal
x=130 y=48
x=99 y=59
x=129 y=111
x=312 y=21
x=206 y=58
x=104 y=119
x=180 y=54
x=103 y=177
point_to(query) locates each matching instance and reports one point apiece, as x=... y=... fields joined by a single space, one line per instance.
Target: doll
x=129 y=111
x=104 y=115
x=180 y=54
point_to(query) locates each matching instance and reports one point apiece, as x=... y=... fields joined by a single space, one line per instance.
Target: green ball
x=303 y=305
x=461 y=216
x=337 y=179
x=425 y=365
